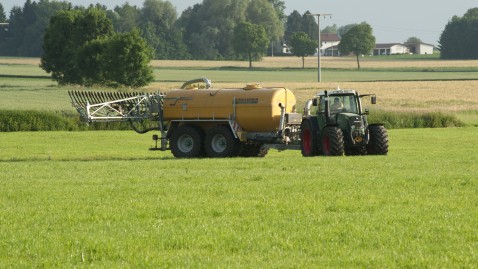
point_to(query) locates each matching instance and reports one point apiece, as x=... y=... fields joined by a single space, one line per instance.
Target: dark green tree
x=158 y=24
x=125 y=60
x=208 y=28
x=359 y=40
x=3 y=16
x=342 y=30
x=128 y=18
x=80 y=47
x=413 y=39
x=293 y=24
x=88 y=62
x=309 y=25
x=251 y=40
x=330 y=29
x=3 y=30
x=279 y=6
x=459 y=39
x=27 y=26
x=59 y=48
x=302 y=46
x=261 y=12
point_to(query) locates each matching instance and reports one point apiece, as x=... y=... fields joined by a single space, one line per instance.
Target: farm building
x=420 y=48
x=328 y=42
x=331 y=51
x=389 y=49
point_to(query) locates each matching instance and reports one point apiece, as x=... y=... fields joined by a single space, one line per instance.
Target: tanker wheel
x=332 y=142
x=378 y=141
x=221 y=143
x=308 y=142
x=186 y=142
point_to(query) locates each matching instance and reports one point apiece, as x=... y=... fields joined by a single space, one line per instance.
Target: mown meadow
x=101 y=199
x=82 y=198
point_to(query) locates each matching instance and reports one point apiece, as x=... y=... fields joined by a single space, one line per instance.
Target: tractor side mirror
x=374 y=99
x=314 y=102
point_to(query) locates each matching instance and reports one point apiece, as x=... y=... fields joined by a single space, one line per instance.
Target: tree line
x=203 y=31
x=95 y=45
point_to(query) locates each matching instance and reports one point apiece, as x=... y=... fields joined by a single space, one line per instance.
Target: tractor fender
x=314 y=124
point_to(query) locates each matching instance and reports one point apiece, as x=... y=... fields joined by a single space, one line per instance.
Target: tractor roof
x=337 y=92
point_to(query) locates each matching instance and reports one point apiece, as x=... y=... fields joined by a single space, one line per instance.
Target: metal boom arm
x=119 y=107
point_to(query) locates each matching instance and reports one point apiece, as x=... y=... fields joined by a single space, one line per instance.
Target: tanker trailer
x=197 y=122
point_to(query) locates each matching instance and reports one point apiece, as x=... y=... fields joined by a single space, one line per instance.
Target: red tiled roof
x=329 y=37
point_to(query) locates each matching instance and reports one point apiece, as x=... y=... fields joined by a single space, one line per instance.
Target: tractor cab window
x=343 y=103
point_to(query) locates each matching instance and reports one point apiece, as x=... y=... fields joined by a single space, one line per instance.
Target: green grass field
x=101 y=199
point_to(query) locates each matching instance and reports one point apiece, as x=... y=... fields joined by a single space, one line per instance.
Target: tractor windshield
x=340 y=103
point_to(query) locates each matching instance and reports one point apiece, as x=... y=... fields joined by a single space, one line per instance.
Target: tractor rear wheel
x=378 y=141
x=186 y=142
x=308 y=142
x=221 y=143
x=332 y=142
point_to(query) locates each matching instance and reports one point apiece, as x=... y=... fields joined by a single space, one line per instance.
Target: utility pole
x=319 y=76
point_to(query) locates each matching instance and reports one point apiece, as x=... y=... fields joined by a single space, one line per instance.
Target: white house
x=328 y=42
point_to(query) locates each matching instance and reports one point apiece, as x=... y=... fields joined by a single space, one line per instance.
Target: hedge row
x=20 y=120
x=30 y=120
x=403 y=120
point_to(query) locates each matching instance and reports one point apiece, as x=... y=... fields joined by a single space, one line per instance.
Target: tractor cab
x=339 y=107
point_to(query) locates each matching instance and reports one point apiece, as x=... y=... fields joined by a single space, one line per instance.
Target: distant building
x=331 y=51
x=390 y=48
x=329 y=41
x=420 y=48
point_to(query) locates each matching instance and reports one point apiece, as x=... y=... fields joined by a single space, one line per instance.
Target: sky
x=391 y=21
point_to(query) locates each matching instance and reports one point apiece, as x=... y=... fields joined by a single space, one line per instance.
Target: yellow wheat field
x=419 y=96
x=407 y=96
x=326 y=62
x=293 y=62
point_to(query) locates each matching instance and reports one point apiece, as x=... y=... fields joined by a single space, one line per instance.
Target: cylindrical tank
x=254 y=108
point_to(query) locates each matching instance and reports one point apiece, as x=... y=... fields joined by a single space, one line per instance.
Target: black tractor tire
x=332 y=141
x=186 y=142
x=255 y=150
x=309 y=145
x=221 y=143
x=378 y=141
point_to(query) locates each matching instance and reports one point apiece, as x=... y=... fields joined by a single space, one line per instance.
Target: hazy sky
x=392 y=21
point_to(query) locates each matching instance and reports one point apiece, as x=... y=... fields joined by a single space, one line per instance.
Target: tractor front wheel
x=332 y=142
x=378 y=141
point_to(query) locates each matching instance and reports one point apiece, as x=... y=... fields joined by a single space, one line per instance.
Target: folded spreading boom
x=116 y=106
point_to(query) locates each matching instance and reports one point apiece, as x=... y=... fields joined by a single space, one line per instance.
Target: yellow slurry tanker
x=246 y=122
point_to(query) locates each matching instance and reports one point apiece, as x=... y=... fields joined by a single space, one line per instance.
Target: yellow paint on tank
x=256 y=109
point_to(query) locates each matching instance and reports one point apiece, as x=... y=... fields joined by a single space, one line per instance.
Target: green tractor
x=340 y=126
